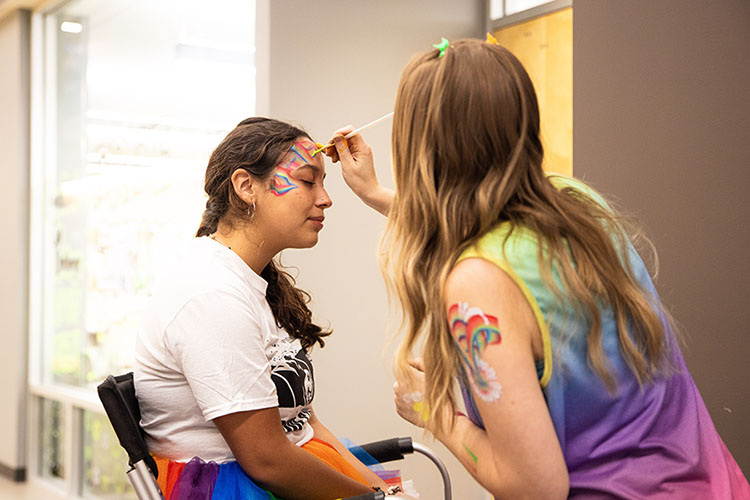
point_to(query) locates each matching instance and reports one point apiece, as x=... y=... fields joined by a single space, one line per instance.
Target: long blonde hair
x=467 y=156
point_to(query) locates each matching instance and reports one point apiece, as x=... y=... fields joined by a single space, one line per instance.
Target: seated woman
x=223 y=376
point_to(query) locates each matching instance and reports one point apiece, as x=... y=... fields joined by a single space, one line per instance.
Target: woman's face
x=290 y=211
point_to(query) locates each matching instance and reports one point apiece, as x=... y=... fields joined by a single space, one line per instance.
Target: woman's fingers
x=342 y=148
x=331 y=153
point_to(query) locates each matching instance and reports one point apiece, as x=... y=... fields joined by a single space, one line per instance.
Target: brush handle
x=354 y=132
x=368 y=125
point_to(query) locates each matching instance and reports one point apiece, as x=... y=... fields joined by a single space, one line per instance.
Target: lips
x=317 y=220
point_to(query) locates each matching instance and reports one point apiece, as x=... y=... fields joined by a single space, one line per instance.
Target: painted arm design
x=473 y=331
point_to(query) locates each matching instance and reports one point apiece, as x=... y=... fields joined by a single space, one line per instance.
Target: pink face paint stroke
x=282 y=181
x=473 y=331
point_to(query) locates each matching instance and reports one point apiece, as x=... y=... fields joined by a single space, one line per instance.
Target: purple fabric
x=196 y=481
x=655 y=441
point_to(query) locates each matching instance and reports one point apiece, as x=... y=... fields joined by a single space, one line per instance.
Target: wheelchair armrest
x=388 y=450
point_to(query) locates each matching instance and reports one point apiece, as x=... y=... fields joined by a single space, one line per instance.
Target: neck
x=245 y=242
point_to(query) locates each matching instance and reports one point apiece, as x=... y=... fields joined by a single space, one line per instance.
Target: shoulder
x=206 y=270
x=562 y=182
x=481 y=283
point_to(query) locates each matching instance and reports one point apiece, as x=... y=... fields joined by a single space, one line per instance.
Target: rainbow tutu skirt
x=200 y=480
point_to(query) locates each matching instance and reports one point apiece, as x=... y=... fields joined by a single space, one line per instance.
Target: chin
x=307 y=243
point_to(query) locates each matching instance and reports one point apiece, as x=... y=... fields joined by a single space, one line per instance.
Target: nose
x=324 y=201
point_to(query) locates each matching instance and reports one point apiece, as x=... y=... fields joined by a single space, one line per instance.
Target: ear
x=244 y=185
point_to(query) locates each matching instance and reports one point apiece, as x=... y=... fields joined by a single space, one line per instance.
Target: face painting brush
x=354 y=132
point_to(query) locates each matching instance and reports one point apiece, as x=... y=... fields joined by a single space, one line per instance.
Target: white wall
x=14 y=186
x=333 y=63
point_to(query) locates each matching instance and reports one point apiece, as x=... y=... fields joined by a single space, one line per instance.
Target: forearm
x=294 y=474
x=471 y=446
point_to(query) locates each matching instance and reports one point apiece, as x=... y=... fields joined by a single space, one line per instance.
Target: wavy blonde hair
x=467 y=156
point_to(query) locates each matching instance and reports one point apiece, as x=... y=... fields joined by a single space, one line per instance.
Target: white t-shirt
x=209 y=346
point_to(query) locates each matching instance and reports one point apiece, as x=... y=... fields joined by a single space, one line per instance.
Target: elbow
x=556 y=488
x=532 y=485
x=265 y=469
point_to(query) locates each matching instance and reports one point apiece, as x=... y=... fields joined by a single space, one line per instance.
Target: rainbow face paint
x=473 y=331
x=298 y=156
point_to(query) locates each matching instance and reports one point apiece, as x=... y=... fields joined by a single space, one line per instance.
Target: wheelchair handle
x=389 y=449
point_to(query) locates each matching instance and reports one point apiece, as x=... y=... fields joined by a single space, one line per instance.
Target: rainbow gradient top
x=656 y=441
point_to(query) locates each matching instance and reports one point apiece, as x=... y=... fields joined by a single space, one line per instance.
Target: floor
x=10 y=490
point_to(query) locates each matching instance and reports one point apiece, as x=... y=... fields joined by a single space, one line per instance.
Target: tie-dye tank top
x=656 y=441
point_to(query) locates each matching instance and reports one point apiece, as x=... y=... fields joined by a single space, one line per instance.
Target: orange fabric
x=173 y=474
x=328 y=454
x=169 y=472
x=162 y=465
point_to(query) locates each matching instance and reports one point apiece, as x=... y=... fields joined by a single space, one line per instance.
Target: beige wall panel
x=545 y=47
x=14 y=172
x=330 y=66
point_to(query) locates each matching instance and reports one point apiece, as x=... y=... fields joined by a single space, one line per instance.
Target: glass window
x=496 y=9
x=515 y=6
x=502 y=8
x=105 y=463
x=136 y=94
x=132 y=121
x=51 y=442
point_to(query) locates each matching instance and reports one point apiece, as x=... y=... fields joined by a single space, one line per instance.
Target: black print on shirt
x=298 y=422
x=293 y=376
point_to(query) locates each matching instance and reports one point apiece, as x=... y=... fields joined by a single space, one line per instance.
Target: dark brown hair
x=257 y=145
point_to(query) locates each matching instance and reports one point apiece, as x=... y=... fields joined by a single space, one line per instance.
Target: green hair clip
x=442 y=46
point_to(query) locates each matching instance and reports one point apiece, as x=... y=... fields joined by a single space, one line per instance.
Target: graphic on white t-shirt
x=292 y=372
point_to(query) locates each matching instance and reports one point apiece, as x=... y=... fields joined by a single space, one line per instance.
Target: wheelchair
x=117 y=394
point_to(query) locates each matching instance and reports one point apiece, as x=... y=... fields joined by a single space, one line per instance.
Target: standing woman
x=526 y=288
x=223 y=377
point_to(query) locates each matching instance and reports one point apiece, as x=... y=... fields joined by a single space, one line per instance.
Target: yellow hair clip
x=491 y=39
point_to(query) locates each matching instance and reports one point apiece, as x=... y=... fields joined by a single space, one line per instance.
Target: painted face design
x=473 y=331
x=300 y=155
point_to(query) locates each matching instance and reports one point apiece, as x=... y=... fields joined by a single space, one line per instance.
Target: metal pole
x=443 y=471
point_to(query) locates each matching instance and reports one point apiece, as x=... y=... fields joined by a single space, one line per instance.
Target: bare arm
x=322 y=432
x=518 y=455
x=260 y=446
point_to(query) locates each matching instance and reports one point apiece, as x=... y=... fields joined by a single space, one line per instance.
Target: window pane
x=515 y=6
x=496 y=9
x=105 y=463
x=51 y=442
x=134 y=121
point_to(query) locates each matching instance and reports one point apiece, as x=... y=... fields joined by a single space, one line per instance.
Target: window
x=512 y=11
x=131 y=97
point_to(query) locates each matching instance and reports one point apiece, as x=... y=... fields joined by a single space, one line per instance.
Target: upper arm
x=254 y=437
x=495 y=329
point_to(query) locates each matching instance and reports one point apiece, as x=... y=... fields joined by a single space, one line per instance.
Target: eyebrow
x=315 y=168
